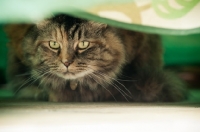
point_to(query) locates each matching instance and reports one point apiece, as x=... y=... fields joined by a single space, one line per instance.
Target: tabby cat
x=70 y=59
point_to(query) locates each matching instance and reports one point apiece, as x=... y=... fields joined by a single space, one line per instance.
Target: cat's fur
x=117 y=65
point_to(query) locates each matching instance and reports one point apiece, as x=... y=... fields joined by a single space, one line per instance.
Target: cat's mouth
x=68 y=73
x=73 y=75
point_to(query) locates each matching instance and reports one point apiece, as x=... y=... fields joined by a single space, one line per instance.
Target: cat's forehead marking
x=61 y=36
x=64 y=35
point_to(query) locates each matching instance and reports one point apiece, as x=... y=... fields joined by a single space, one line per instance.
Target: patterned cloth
x=172 y=14
x=155 y=16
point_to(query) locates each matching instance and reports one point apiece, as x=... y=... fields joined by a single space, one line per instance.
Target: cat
x=68 y=59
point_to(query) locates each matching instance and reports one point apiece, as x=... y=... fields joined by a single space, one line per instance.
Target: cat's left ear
x=98 y=25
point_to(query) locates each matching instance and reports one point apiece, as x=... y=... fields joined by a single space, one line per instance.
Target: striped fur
x=117 y=65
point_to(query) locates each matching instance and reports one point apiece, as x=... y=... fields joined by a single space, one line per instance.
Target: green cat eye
x=54 y=45
x=83 y=45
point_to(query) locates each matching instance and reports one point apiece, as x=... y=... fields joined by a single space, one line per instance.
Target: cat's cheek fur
x=113 y=61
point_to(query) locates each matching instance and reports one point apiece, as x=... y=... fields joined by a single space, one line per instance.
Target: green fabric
x=181 y=50
x=3 y=55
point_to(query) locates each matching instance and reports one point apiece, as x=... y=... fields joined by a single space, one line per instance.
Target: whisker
x=47 y=79
x=117 y=78
x=25 y=82
x=127 y=77
x=24 y=74
x=115 y=81
x=30 y=79
x=104 y=88
x=116 y=87
x=40 y=77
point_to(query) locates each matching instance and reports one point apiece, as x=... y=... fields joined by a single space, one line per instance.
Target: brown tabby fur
x=135 y=74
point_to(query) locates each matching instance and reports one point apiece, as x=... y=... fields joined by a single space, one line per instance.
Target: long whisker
x=31 y=79
x=24 y=74
x=126 y=77
x=117 y=78
x=39 y=77
x=115 y=81
x=104 y=88
x=25 y=82
x=115 y=86
x=47 y=79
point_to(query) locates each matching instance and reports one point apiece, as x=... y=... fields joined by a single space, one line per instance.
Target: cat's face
x=70 y=48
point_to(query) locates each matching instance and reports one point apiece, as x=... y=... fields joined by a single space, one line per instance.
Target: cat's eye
x=54 y=45
x=83 y=45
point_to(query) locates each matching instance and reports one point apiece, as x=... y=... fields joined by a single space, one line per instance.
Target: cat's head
x=72 y=48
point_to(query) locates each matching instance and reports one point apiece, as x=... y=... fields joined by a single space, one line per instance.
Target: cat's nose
x=67 y=63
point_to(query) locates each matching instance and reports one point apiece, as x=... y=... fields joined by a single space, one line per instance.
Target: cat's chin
x=72 y=76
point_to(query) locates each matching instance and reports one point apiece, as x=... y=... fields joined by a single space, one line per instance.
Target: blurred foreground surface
x=98 y=117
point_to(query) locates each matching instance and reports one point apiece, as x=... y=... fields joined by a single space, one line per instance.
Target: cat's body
x=70 y=59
